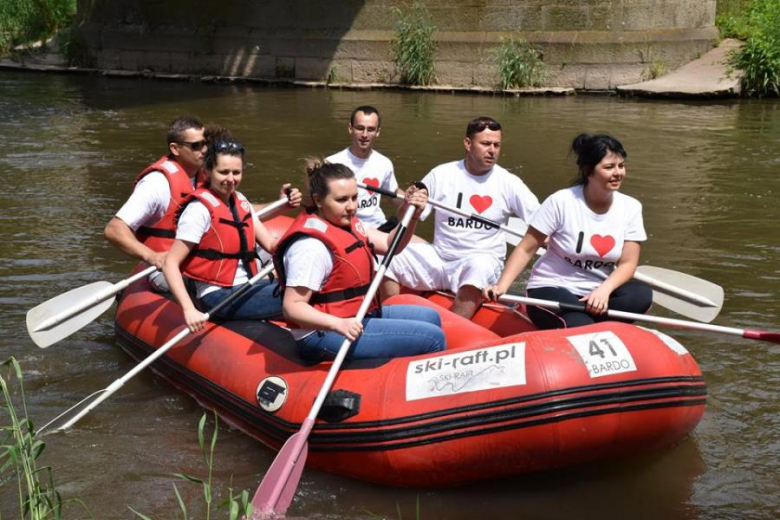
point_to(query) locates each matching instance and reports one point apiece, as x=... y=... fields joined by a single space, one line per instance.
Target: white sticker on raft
x=603 y=353
x=482 y=369
x=672 y=343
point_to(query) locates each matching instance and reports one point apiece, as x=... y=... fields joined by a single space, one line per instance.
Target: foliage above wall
x=758 y=24
x=25 y=21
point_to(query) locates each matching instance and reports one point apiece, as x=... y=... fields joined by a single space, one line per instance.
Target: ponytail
x=317 y=174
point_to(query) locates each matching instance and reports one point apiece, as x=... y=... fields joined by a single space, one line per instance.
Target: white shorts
x=420 y=267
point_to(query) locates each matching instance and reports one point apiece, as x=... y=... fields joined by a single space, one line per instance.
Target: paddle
x=685 y=294
x=278 y=487
x=91 y=401
x=58 y=318
x=682 y=293
x=773 y=337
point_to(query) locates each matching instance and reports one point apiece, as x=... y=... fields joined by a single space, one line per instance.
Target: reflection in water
x=707 y=175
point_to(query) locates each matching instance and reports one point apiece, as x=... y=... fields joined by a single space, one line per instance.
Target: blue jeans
x=403 y=330
x=258 y=303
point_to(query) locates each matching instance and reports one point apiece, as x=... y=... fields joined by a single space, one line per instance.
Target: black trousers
x=632 y=296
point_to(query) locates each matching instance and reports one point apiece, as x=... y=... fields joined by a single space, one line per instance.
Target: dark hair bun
x=312 y=164
x=580 y=142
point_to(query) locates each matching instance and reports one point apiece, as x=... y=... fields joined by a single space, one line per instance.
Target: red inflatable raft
x=502 y=399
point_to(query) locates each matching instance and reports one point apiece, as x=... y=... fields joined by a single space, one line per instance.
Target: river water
x=708 y=175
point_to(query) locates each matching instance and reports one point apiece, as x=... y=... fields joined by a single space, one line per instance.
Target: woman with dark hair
x=216 y=233
x=325 y=263
x=591 y=227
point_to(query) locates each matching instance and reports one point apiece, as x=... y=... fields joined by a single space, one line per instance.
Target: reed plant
x=237 y=504
x=520 y=64
x=414 y=45
x=20 y=450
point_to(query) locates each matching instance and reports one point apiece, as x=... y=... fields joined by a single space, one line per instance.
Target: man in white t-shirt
x=466 y=255
x=136 y=228
x=370 y=167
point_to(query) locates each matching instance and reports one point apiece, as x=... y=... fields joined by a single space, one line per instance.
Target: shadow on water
x=707 y=175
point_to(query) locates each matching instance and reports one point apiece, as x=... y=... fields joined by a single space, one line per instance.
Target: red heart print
x=371 y=182
x=602 y=245
x=480 y=203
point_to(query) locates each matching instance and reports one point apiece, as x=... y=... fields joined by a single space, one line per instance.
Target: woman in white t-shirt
x=216 y=233
x=591 y=227
x=325 y=262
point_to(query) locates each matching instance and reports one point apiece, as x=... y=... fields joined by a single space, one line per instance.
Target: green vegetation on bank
x=237 y=504
x=520 y=64
x=27 y=21
x=757 y=23
x=413 y=45
x=20 y=450
x=37 y=495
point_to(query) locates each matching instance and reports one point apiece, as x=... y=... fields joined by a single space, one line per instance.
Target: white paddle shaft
x=268 y=494
x=683 y=324
x=119 y=383
x=663 y=286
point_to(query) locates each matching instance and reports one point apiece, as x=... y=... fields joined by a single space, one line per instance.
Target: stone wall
x=592 y=44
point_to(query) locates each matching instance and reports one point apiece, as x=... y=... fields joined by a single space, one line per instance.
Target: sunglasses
x=196 y=146
x=490 y=125
x=228 y=146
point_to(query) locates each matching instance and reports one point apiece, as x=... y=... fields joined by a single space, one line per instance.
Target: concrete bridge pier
x=587 y=44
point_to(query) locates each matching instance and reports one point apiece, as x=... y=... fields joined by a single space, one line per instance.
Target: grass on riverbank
x=237 y=504
x=27 y=21
x=38 y=497
x=413 y=45
x=757 y=23
x=520 y=64
x=20 y=451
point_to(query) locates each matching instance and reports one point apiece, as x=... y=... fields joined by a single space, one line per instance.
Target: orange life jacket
x=353 y=263
x=229 y=240
x=159 y=236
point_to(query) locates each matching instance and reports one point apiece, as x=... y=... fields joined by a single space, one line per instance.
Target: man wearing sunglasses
x=370 y=167
x=466 y=255
x=143 y=227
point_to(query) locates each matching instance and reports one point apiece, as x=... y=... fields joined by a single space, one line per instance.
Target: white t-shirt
x=376 y=170
x=194 y=222
x=148 y=202
x=308 y=263
x=496 y=195
x=582 y=241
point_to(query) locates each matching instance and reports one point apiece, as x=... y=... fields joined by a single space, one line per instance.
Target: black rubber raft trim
x=398 y=433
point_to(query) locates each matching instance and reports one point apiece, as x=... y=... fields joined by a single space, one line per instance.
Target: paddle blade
x=518 y=225
x=276 y=491
x=61 y=304
x=69 y=417
x=680 y=304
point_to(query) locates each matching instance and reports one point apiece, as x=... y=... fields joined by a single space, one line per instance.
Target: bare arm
x=179 y=251
x=597 y=301
x=120 y=235
x=264 y=237
x=516 y=263
x=416 y=197
x=296 y=307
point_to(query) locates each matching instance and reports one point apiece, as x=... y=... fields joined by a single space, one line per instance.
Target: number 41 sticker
x=603 y=353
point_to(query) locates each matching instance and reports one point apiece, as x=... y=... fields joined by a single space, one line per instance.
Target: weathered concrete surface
x=707 y=77
x=587 y=44
x=44 y=63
